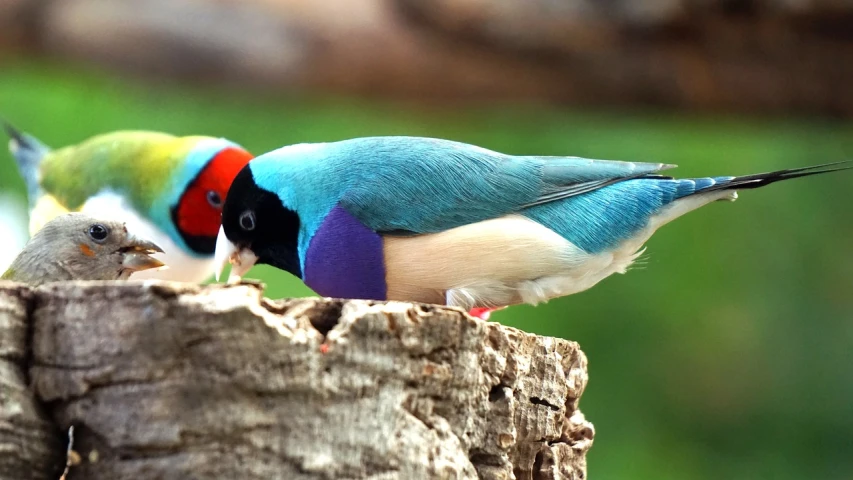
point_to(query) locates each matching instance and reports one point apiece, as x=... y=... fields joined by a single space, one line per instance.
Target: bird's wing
x=123 y=161
x=417 y=185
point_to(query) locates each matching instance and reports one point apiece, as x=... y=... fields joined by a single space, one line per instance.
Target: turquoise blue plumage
x=603 y=218
x=399 y=197
x=423 y=185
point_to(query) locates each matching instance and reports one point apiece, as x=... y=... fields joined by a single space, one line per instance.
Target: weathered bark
x=30 y=445
x=174 y=381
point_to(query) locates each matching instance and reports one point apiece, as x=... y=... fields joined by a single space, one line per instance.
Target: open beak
x=241 y=259
x=137 y=255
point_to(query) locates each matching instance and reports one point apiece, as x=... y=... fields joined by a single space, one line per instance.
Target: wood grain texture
x=176 y=381
x=30 y=445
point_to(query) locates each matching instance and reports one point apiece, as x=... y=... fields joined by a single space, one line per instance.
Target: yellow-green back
x=137 y=164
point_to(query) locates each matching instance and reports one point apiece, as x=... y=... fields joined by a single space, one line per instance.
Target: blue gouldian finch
x=75 y=246
x=437 y=221
x=165 y=188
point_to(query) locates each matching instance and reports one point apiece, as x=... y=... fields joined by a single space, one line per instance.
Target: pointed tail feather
x=759 y=180
x=28 y=153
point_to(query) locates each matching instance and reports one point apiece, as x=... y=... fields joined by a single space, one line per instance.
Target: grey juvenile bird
x=76 y=246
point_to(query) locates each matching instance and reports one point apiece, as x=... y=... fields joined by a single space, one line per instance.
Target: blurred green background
x=727 y=354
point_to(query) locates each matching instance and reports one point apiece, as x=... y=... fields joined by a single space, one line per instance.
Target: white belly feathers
x=510 y=260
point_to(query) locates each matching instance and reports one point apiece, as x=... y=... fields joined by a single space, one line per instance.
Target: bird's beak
x=241 y=259
x=137 y=255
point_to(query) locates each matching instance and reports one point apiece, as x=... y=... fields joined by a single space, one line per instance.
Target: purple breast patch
x=345 y=259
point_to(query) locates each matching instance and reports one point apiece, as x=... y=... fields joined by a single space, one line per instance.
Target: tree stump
x=178 y=381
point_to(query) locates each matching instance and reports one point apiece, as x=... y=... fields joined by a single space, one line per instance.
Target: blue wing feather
x=424 y=185
x=600 y=220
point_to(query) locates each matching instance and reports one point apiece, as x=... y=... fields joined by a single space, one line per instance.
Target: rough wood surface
x=174 y=381
x=30 y=445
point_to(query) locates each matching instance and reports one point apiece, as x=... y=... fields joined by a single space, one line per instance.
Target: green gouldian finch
x=75 y=246
x=165 y=188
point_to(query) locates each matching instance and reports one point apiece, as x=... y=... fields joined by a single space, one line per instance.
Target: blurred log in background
x=768 y=56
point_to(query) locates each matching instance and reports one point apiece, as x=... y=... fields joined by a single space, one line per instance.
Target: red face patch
x=199 y=212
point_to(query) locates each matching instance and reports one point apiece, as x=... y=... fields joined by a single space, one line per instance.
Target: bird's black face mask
x=257 y=229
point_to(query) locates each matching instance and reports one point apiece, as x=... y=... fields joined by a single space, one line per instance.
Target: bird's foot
x=483 y=313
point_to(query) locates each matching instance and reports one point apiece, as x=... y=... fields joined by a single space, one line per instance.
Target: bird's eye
x=247 y=220
x=98 y=232
x=214 y=199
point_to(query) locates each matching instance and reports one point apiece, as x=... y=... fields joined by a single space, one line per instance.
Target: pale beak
x=137 y=255
x=241 y=259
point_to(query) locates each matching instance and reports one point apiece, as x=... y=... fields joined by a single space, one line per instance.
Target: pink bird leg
x=483 y=313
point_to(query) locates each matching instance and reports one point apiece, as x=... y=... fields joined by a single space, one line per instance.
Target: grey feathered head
x=76 y=246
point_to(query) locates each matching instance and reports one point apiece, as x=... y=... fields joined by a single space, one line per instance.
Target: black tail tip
x=12 y=132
